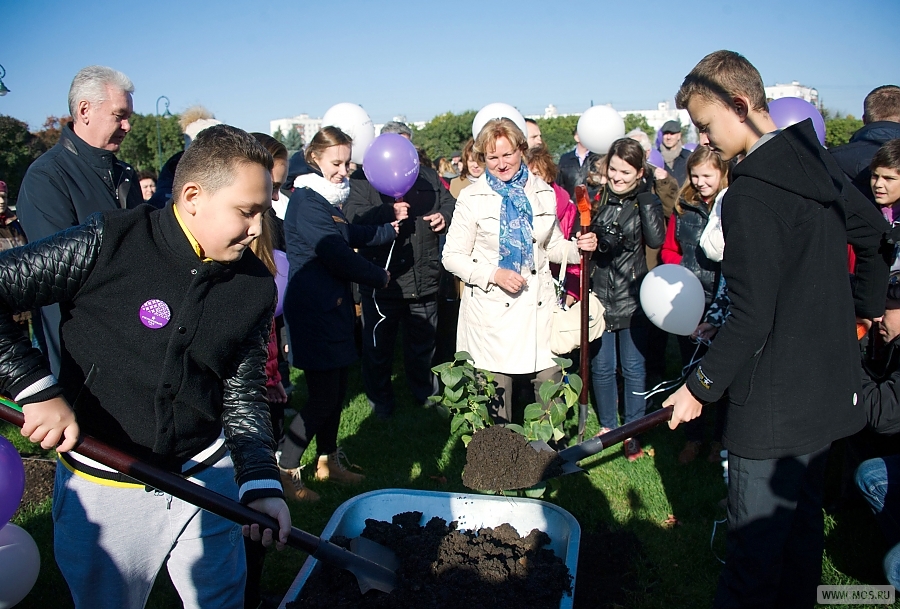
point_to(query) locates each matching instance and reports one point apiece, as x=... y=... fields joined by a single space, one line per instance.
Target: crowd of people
x=182 y=361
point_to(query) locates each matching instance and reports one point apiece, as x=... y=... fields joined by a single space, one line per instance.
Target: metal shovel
x=373 y=564
x=570 y=456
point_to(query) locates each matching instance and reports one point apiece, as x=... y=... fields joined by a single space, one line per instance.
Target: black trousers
x=419 y=320
x=319 y=418
x=775 y=532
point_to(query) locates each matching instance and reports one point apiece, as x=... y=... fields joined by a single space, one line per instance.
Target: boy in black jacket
x=788 y=354
x=165 y=323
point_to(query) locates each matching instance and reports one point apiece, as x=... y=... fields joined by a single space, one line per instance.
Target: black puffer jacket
x=617 y=274
x=416 y=260
x=162 y=394
x=689 y=227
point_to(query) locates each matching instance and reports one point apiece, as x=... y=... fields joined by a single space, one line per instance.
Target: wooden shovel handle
x=619 y=434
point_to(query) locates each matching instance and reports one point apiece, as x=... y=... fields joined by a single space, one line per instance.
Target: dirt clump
x=443 y=567
x=499 y=459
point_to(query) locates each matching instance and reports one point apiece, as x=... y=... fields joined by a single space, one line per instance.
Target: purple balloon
x=281 y=279
x=391 y=164
x=12 y=480
x=656 y=159
x=787 y=111
x=692 y=146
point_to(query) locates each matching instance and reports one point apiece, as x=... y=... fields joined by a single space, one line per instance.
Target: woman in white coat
x=502 y=239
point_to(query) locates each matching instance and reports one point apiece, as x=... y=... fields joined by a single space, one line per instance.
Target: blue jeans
x=873 y=478
x=632 y=347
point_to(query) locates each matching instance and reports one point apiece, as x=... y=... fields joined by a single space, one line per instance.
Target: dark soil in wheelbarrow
x=499 y=459
x=443 y=568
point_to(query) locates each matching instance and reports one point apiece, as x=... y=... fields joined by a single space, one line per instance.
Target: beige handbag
x=565 y=329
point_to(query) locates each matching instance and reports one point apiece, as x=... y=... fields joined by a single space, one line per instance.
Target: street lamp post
x=158 y=136
x=3 y=89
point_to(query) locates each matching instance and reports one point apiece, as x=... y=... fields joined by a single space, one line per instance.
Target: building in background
x=307 y=127
x=794 y=89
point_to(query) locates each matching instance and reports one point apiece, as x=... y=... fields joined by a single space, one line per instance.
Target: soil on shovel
x=443 y=567
x=499 y=459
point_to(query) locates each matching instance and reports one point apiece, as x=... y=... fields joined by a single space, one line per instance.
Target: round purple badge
x=155 y=314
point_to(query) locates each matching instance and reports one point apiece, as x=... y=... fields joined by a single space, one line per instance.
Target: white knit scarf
x=336 y=194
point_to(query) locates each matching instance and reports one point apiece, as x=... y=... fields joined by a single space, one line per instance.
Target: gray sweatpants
x=110 y=542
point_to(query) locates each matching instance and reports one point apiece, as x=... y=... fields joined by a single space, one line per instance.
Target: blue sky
x=250 y=62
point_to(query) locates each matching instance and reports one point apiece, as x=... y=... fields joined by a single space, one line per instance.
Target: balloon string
x=377 y=308
x=685 y=372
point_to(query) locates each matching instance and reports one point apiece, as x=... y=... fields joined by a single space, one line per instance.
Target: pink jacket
x=566 y=213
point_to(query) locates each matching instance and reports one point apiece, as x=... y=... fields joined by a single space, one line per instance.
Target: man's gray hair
x=90 y=85
x=397 y=127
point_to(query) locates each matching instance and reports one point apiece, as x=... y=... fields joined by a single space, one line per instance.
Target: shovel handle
x=619 y=434
x=176 y=485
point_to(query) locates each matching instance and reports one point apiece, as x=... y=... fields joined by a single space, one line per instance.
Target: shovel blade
x=373 y=564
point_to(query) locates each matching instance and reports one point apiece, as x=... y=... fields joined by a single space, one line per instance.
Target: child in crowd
x=885 y=182
x=792 y=377
x=159 y=362
x=707 y=176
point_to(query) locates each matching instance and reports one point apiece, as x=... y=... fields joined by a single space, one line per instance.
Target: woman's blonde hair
x=326 y=137
x=492 y=131
x=468 y=154
x=701 y=156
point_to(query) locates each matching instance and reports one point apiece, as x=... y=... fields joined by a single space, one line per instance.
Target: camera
x=609 y=237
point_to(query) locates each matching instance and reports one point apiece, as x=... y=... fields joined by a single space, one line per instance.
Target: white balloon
x=355 y=122
x=497 y=110
x=599 y=127
x=672 y=298
x=20 y=563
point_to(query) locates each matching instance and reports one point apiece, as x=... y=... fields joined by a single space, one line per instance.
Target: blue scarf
x=516 y=249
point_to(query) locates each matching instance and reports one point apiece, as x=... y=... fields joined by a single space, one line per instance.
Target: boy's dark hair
x=147 y=174
x=213 y=156
x=882 y=104
x=887 y=156
x=719 y=77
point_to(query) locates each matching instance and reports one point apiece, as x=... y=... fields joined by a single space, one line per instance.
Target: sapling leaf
x=466 y=439
x=575 y=383
x=544 y=431
x=479 y=399
x=482 y=412
x=536 y=491
x=558 y=434
x=458 y=420
x=533 y=412
x=516 y=428
x=469 y=416
x=462 y=356
x=452 y=376
x=453 y=394
x=441 y=367
x=563 y=362
x=548 y=391
x=557 y=413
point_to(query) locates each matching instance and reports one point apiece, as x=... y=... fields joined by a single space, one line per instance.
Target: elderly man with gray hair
x=81 y=174
x=410 y=298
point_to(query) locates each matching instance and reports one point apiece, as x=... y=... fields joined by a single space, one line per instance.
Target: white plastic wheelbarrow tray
x=471 y=511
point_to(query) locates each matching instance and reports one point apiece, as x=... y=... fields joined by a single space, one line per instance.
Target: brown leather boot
x=294 y=488
x=329 y=467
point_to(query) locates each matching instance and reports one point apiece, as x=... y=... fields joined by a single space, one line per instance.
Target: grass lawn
x=634 y=554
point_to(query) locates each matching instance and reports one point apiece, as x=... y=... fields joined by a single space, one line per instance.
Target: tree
x=839 y=130
x=293 y=141
x=140 y=146
x=279 y=135
x=639 y=121
x=18 y=149
x=557 y=133
x=52 y=129
x=445 y=134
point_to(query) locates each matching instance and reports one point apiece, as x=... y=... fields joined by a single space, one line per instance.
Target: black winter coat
x=318 y=302
x=416 y=260
x=571 y=173
x=689 y=227
x=617 y=274
x=854 y=157
x=70 y=182
x=162 y=392
x=788 y=354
